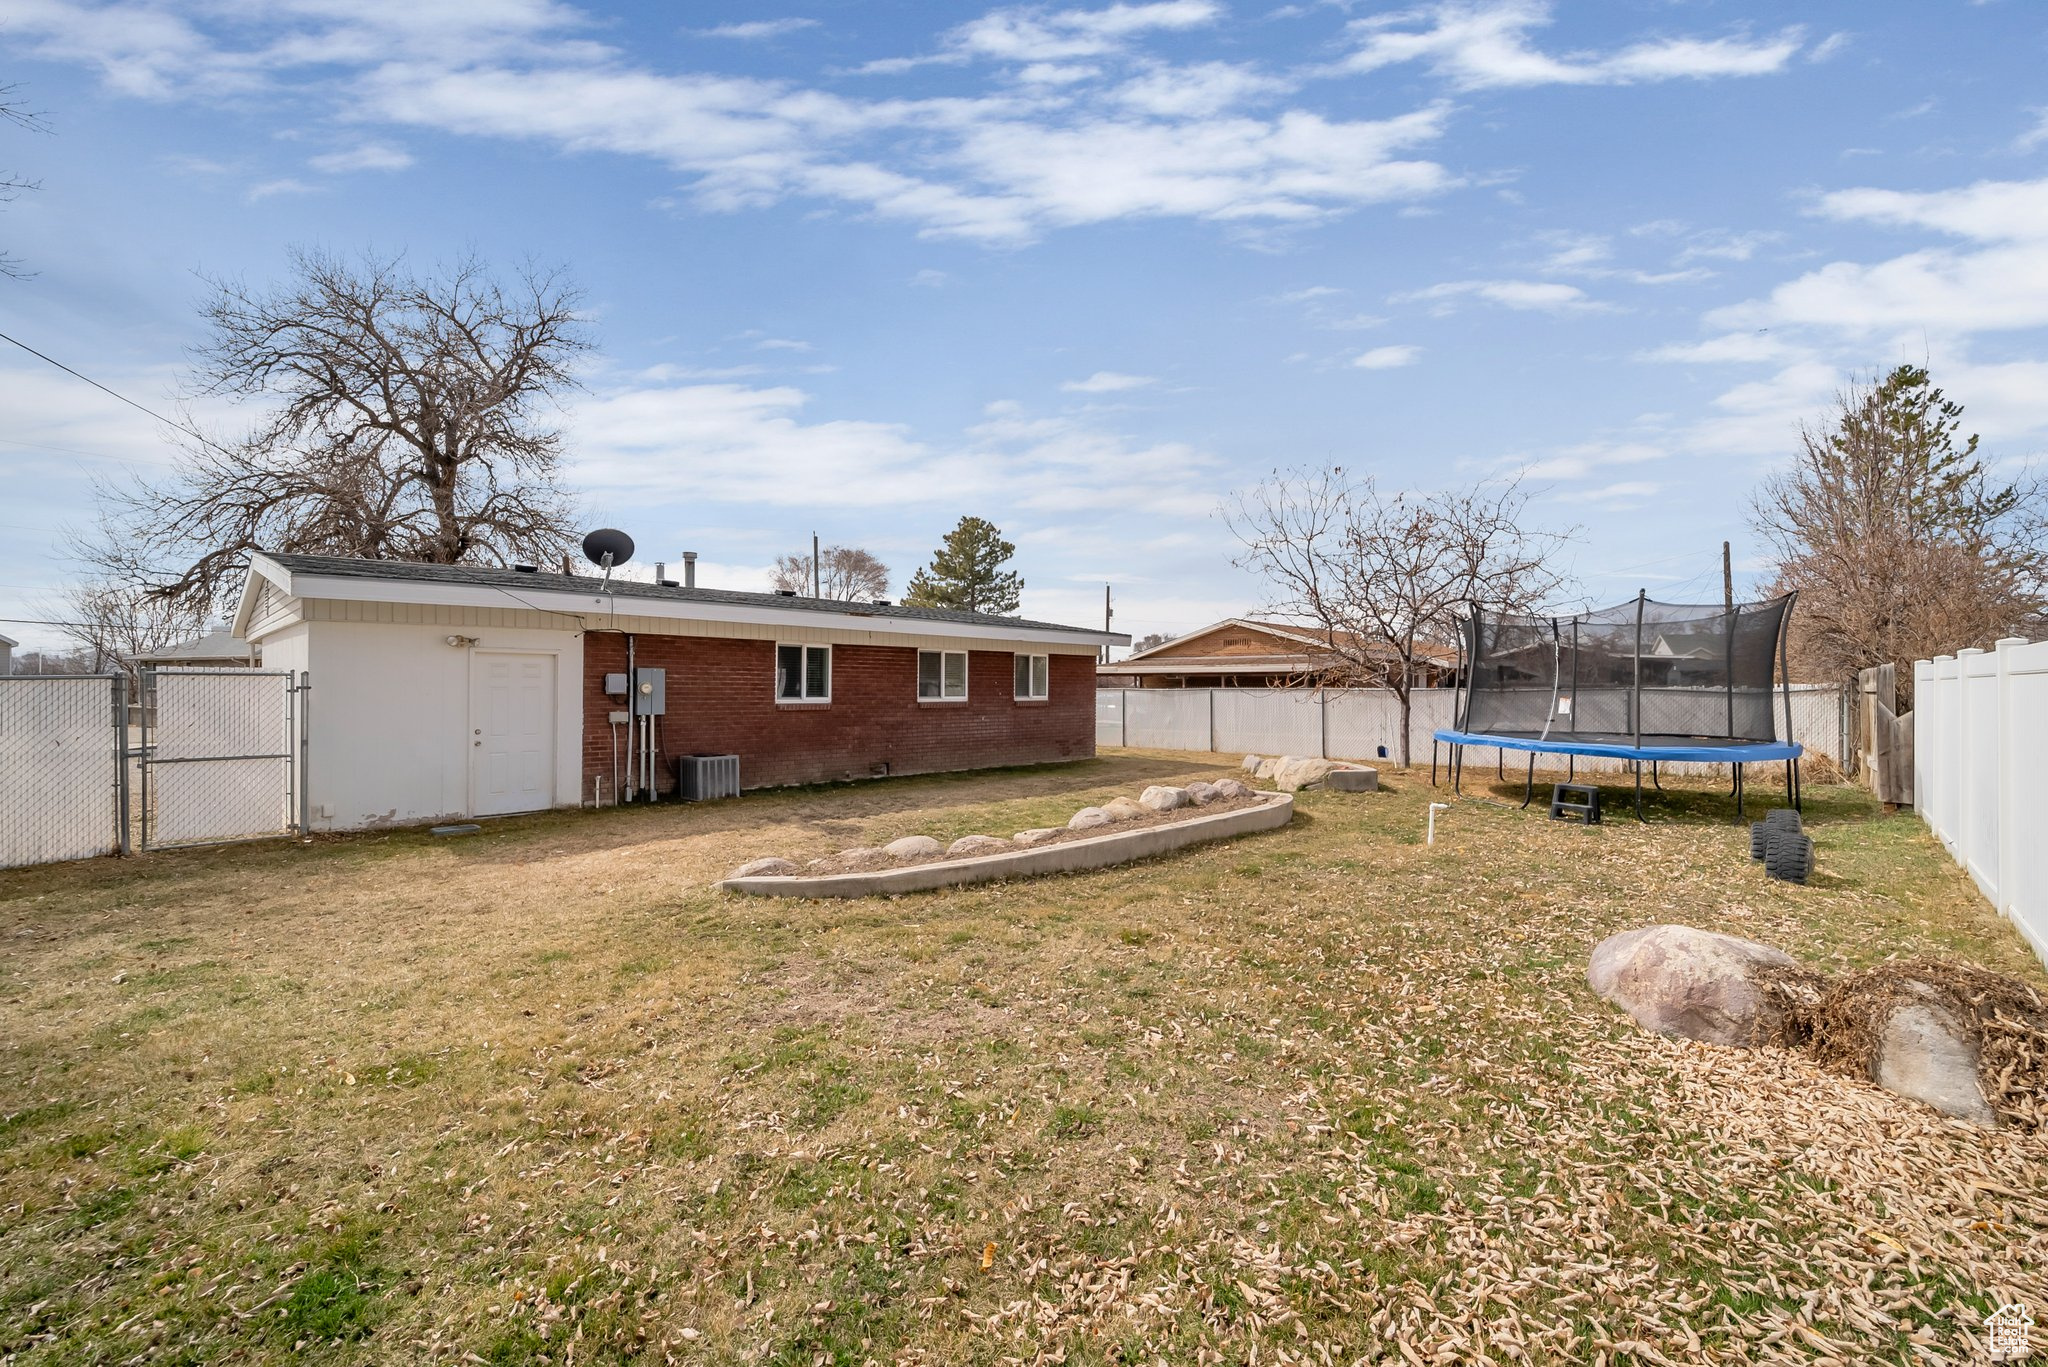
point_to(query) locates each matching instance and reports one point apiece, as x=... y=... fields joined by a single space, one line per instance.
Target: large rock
x=1251 y=763
x=913 y=847
x=1698 y=984
x=1925 y=1053
x=968 y=845
x=1088 y=819
x=1037 y=835
x=1265 y=768
x=1295 y=772
x=1353 y=778
x=1199 y=793
x=1162 y=798
x=863 y=852
x=1229 y=788
x=1123 y=809
x=766 y=868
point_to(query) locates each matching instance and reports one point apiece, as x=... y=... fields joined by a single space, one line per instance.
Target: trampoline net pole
x=1636 y=698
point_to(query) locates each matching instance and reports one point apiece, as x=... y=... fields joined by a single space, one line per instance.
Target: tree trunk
x=1407 y=704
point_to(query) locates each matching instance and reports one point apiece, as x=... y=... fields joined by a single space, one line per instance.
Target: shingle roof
x=218 y=644
x=488 y=576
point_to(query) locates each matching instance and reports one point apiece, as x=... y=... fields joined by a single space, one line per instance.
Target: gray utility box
x=699 y=778
x=650 y=692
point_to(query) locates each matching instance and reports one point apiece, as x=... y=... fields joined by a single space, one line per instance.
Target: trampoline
x=1644 y=682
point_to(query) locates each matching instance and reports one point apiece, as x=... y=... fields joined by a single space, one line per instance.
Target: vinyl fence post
x=1323 y=722
x=121 y=759
x=1212 y=721
x=2008 y=899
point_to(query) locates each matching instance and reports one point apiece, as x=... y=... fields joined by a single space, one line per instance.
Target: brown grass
x=1323 y=1095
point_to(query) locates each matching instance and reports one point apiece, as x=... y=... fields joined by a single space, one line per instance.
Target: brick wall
x=720 y=701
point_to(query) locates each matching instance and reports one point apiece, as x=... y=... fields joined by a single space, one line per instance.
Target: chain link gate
x=63 y=767
x=223 y=755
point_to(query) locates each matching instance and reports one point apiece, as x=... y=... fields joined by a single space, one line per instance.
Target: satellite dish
x=607 y=547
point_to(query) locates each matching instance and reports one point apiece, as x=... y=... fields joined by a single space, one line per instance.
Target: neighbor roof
x=1318 y=639
x=520 y=583
x=218 y=644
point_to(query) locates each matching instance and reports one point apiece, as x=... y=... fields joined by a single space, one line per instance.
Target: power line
x=116 y=394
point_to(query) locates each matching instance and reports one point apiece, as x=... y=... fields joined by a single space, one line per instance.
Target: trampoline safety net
x=1641 y=672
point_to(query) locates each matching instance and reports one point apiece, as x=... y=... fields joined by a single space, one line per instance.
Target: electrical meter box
x=650 y=692
x=615 y=685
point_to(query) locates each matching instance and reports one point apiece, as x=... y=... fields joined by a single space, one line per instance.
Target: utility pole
x=1727 y=579
x=817 y=580
x=1106 y=616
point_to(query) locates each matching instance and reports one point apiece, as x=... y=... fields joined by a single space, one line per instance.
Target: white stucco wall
x=390 y=716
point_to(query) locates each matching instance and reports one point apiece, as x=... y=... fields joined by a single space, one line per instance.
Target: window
x=803 y=673
x=942 y=675
x=1033 y=680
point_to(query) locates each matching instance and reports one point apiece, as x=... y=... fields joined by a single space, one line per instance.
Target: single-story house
x=7 y=645
x=461 y=690
x=219 y=648
x=1243 y=652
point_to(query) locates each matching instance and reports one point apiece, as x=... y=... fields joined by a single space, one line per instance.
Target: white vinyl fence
x=1364 y=723
x=1980 y=772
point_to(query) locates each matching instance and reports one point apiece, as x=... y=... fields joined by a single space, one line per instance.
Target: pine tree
x=967 y=572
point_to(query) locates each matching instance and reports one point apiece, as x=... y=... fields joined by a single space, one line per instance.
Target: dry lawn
x=1319 y=1096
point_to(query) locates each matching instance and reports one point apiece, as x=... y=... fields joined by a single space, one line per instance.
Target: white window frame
x=774 y=674
x=943 y=696
x=1029 y=670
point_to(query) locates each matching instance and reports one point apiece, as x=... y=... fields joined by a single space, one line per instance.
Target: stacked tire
x=1780 y=844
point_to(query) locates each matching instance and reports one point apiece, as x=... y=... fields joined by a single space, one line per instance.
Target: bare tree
x=407 y=424
x=14 y=111
x=112 y=622
x=845 y=573
x=1385 y=576
x=1900 y=544
x=1150 y=641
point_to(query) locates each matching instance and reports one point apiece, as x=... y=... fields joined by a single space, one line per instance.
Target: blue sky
x=860 y=268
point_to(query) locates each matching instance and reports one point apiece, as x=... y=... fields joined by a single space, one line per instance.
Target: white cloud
x=1109 y=382
x=757 y=28
x=782 y=344
x=1477 y=44
x=1732 y=348
x=1546 y=296
x=2035 y=136
x=1621 y=493
x=1387 y=357
x=1037 y=35
x=369 y=156
x=1989 y=211
x=1827 y=47
x=285 y=185
x=1195 y=91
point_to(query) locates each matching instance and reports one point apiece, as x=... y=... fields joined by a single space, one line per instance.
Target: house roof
x=1316 y=645
x=218 y=644
x=316 y=576
x=9 y=642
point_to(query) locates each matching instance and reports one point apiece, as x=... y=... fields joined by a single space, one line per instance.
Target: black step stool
x=1575 y=801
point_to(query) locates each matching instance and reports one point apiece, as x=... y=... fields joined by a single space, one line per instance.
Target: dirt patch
x=2008 y=1018
x=873 y=860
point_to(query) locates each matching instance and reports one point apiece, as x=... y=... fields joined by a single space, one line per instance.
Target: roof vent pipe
x=660 y=570
x=689 y=569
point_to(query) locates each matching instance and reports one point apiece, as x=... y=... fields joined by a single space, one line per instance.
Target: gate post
x=121 y=758
x=142 y=758
x=299 y=770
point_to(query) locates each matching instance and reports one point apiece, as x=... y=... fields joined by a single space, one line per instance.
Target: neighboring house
x=457 y=690
x=7 y=645
x=219 y=648
x=1243 y=652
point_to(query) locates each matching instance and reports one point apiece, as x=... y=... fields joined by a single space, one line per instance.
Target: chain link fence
x=63 y=782
x=223 y=755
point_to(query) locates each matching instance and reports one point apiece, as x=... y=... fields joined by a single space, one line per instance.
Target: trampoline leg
x=1654 y=778
x=1639 y=790
x=1529 y=784
x=1738 y=794
x=1571 y=768
x=1432 y=763
x=1458 y=770
x=1798 y=789
x=1500 y=764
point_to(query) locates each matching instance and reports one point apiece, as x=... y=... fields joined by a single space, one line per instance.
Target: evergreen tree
x=967 y=572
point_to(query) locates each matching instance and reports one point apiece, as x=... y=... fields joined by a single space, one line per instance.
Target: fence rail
x=1362 y=723
x=1980 y=772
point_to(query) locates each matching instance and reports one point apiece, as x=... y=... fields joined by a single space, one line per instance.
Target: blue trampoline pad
x=1653 y=750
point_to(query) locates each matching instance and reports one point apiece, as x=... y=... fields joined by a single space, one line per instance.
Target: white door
x=512 y=733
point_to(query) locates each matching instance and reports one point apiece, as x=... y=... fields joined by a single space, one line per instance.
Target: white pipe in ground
x=1434 y=808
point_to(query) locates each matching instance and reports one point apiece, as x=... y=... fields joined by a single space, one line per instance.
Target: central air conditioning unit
x=699 y=778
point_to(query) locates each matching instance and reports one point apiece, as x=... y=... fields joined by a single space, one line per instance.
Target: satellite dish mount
x=607 y=548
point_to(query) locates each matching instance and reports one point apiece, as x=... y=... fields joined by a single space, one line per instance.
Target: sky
x=860 y=268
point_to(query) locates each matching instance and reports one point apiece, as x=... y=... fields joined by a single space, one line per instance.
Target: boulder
x=1199 y=793
x=1252 y=762
x=1697 y=984
x=1353 y=778
x=766 y=868
x=1123 y=809
x=913 y=847
x=1230 y=788
x=1037 y=835
x=1088 y=818
x=1267 y=766
x=1925 y=1053
x=1294 y=773
x=863 y=852
x=1162 y=798
x=977 y=844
